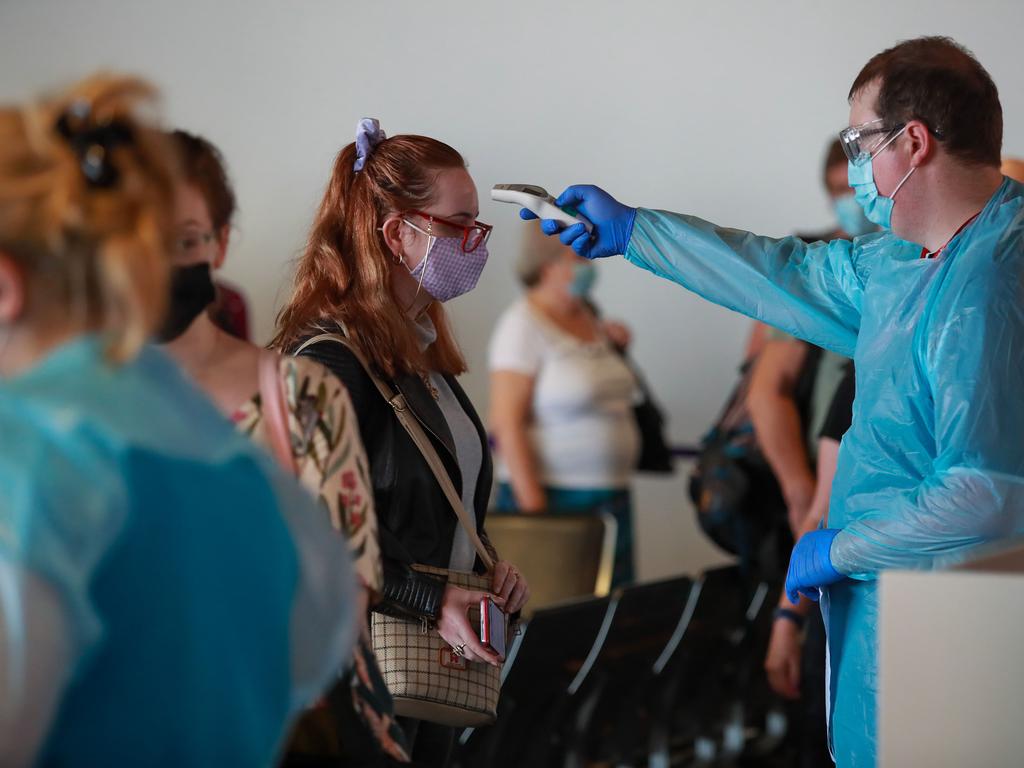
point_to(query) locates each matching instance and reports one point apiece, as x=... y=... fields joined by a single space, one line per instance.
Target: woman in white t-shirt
x=562 y=398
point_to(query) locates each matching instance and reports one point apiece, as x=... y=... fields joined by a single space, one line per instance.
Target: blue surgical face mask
x=877 y=207
x=583 y=277
x=851 y=216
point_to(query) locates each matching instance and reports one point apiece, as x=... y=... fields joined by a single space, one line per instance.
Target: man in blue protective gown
x=931 y=309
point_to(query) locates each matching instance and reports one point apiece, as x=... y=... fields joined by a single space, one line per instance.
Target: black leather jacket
x=417 y=523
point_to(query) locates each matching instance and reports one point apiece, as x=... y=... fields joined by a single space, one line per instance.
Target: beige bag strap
x=275 y=411
x=412 y=425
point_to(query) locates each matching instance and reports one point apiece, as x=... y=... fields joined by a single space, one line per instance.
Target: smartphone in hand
x=493 y=627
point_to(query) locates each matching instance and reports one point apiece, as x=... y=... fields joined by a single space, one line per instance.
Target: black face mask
x=192 y=291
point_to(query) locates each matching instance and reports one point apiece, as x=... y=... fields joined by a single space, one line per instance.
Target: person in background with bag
x=787 y=431
x=170 y=596
x=395 y=237
x=754 y=479
x=562 y=398
x=299 y=411
x=795 y=659
x=739 y=503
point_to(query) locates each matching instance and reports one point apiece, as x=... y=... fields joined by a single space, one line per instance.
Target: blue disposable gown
x=205 y=596
x=933 y=465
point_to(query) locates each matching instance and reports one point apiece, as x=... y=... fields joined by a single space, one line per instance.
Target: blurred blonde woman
x=168 y=596
x=562 y=398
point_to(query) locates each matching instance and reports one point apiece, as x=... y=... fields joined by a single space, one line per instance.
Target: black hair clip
x=93 y=143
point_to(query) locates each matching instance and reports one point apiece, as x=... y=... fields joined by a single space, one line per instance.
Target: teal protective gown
x=933 y=465
x=205 y=595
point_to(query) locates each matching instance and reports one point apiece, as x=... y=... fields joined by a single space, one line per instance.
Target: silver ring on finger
x=459 y=650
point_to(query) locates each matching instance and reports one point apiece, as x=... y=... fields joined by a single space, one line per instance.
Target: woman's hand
x=618 y=334
x=454 y=627
x=783 y=660
x=510 y=585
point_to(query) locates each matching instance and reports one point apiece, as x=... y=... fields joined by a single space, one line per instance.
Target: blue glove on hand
x=613 y=222
x=810 y=565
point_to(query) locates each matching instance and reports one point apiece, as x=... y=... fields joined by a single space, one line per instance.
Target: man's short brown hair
x=939 y=82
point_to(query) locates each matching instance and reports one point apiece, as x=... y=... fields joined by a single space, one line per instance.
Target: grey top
x=468 y=450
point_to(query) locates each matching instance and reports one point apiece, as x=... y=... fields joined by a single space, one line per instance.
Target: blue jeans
x=580 y=501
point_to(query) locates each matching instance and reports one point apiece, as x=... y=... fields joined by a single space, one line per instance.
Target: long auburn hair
x=345 y=272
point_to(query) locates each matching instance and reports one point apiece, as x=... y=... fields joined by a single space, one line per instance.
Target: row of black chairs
x=660 y=674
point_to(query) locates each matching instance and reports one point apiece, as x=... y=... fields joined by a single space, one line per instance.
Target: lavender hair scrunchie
x=368 y=136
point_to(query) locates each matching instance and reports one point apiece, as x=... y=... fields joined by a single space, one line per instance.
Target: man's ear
x=12 y=290
x=921 y=141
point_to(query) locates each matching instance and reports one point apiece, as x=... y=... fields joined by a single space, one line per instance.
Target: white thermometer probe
x=536 y=199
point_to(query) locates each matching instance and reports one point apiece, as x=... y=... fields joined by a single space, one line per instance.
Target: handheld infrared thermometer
x=536 y=199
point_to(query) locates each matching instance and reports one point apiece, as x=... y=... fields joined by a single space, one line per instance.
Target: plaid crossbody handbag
x=426 y=678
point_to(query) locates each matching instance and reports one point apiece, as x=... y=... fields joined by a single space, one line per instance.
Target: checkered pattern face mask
x=447 y=271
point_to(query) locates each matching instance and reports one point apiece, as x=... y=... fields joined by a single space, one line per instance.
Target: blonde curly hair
x=86 y=209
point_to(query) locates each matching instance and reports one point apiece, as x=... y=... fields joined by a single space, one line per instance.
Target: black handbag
x=655 y=454
x=738 y=501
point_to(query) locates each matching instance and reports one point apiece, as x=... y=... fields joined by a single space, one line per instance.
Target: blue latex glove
x=810 y=566
x=613 y=222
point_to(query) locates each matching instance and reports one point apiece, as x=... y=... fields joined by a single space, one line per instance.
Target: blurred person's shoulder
x=772 y=333
x=306 y=374
x=49 y=455
x=64 y=500
x=144 y=407
x=314 y=393
x=519 y=342
x=518 y=314
x=518 y=323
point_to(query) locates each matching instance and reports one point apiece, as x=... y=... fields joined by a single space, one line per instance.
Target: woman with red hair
x=395 y=237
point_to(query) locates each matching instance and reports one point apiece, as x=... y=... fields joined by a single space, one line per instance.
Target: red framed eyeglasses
x=473 y=236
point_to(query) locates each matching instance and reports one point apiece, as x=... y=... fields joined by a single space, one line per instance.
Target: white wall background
x=722 y=109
